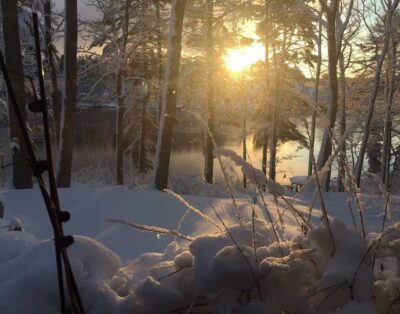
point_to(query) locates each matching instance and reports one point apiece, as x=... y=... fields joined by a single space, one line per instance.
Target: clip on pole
x=61 y=241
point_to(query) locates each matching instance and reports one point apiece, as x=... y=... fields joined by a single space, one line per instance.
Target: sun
x=240 y=59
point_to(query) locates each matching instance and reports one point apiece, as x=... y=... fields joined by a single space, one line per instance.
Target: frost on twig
x=256 y=176
x=191 y=208
x=153 y=229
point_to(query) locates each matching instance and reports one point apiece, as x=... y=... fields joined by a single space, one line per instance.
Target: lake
x=94 y=153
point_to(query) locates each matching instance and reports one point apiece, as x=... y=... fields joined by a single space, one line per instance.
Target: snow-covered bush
x=244 y=270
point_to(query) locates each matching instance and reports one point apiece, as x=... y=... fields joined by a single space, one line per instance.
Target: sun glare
x=239 y=59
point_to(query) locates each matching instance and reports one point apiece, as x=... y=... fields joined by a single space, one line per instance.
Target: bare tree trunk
x=244 y=152
x=342 y=153
x=209 y=156
x=119 y=136
x=22 y=175
x=274 y=140
x=374 y=92
x=331 y=13
x=67 y=126
x=55 y=93
x=170 y=93
x=316 y=100
x=142 y=142
x=386 y=155
x=264 y=160
x=159 y=57
x=267 y=83
x=278 y=62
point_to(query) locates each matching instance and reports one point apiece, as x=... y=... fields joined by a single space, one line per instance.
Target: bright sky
x=236 y=60
x=240 y=59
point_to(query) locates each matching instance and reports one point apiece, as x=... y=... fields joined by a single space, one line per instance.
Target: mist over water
x=94 y=150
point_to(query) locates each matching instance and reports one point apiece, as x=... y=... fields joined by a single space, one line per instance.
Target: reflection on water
x=95 y=148
x=292 y=160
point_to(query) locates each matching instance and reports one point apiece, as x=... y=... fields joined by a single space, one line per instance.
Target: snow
x=230 y=267
x=299 y=180
x=254 y=175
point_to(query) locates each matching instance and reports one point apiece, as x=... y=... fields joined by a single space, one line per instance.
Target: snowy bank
x=224 y=265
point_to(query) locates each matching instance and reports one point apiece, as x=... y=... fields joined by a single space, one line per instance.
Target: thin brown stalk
x=370 y=247
x=325 y=213
x=324 y=289
x=330 y=294
x=265 y=206
x=174 y=272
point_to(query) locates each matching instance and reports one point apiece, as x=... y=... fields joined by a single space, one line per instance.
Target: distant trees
x=336 y=23
x=288 y=42
x=22 y=175
x=389 y=9
x=129 y=61
x=130 y=33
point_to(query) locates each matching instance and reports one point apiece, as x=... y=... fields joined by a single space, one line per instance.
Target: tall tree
x=335 y=28
x=170 y=93
x=316 y=97
x=51 y=62
x=291 y=43
x=391 y=81
x=267 y=26
x=22 y=175
x=67 y=125
x=274 y=113
x=345 y=61
x=159 y=55
x=209 y=157
x=121 y=96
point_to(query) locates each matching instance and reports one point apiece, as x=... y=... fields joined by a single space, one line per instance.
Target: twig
x=152 y=229
x=330 y=294
x=174 y=272
x=265 y=206
x=323 y=206
x=324 y=289
x=191 y=208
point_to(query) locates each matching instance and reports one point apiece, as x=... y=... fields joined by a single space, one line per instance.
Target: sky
x=84 y=10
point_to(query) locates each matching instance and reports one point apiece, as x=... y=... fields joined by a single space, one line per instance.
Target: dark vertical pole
x=22 y=175
x=52 y=183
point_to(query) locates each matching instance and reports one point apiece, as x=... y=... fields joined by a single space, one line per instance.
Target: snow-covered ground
x=230 y=267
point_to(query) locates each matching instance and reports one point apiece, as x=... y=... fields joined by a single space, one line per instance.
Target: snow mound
x=28 y=277
x=237 y=272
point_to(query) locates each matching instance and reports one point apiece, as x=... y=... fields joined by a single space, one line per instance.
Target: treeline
x=146 y=54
